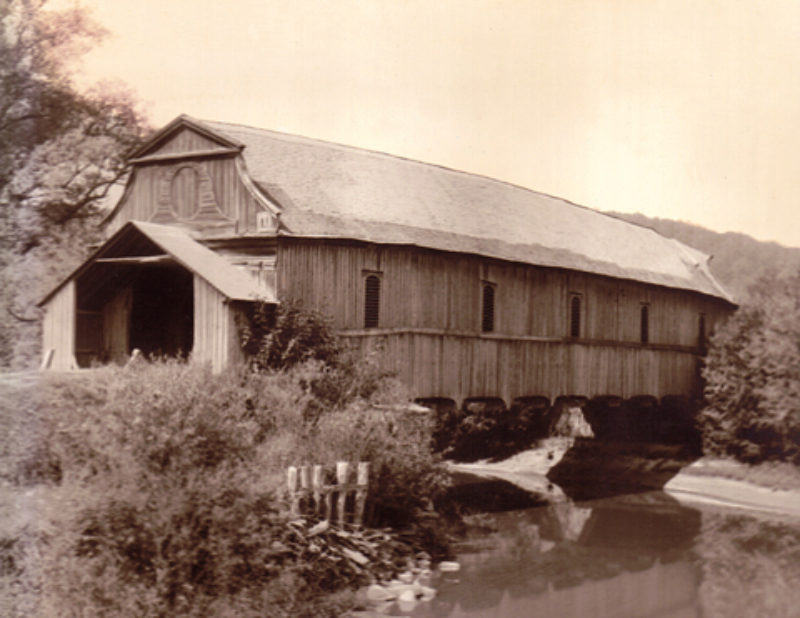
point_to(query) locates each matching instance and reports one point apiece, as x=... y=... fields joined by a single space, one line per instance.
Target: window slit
x=372 y=300
x=487 y=316
x=644 y=323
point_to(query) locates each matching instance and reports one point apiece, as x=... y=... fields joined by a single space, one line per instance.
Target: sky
x=679 y=109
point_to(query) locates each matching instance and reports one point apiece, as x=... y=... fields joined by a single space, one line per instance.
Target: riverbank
x=170 y=482
x=565 y=468
x=716 y=481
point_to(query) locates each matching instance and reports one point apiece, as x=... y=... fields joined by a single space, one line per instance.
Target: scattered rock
x=427 y=593
x=379 y=594
x=319 y=528
x=407 y=595
x=407 y=589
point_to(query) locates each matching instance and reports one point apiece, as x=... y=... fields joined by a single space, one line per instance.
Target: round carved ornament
x=186 y=193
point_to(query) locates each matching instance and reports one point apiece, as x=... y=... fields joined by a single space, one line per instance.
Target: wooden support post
x=48 y=359
x=309 y=494
x=361 y=492
x=316 y=484
x=304 y=487
x=328 y=503
x=342 y=468
x=291 y=480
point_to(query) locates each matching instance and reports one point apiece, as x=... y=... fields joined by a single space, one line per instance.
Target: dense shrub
x=173 y=482
x=403 y=481
x=484 y=428
x=752 y=376
x=278 y=337
x=481 y=429
x=288 y=336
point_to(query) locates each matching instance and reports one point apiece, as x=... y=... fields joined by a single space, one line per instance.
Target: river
x=636 y=554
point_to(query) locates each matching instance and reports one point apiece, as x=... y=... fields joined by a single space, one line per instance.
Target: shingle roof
x=329 y=190
x=233 y=283
x=215 y=269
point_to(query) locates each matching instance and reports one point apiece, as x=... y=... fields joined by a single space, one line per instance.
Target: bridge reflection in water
x=643 y=554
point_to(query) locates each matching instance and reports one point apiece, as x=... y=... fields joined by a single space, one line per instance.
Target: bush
x=172 y=483
x=404 y=477
x=279 y=337
x=287 y=337
x=752 y=375
x=484 y=428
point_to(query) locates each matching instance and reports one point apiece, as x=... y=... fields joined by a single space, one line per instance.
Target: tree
x=752 y=376
x=61 y=152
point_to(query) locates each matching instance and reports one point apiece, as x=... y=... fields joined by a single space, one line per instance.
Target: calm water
x=643 y=554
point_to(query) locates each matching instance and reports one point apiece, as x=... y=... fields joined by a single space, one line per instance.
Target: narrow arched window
x=372 y=301
x=644 y=324
x=487 y=308
x=575 y=316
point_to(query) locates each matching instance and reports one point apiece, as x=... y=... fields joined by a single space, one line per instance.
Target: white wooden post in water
x=313 y=496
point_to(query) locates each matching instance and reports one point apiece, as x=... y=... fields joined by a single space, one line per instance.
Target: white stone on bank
x=449 y=567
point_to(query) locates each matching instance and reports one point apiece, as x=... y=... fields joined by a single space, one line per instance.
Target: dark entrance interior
x=162 y=312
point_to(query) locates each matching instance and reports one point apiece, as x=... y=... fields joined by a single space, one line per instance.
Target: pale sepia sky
x=684 y=109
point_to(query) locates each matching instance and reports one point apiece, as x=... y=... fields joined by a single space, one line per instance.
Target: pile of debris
x=380 y=563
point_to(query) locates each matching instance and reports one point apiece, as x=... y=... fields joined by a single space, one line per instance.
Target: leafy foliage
x=485 y=429
x=288 y=336
x=60 y=149
x=169 y=479
x=61 y=152
x=752 y=376
x=277 y=337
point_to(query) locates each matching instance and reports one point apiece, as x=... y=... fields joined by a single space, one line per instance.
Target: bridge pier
x=485 y=426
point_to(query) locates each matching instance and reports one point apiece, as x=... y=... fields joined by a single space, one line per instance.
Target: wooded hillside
x=738 y=259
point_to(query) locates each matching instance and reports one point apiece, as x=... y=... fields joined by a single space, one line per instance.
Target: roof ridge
x=436 y=198
x=427 y=164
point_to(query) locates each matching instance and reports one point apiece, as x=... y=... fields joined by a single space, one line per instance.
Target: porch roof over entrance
x=179 y=246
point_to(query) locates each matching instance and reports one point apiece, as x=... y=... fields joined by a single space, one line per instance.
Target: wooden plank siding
x=430 y=323
x=154 y=182
x=216 y=338
x=59 y=329
x=460 y=367
x=183 y=142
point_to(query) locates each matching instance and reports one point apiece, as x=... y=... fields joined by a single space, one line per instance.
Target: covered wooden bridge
x=464 y=285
